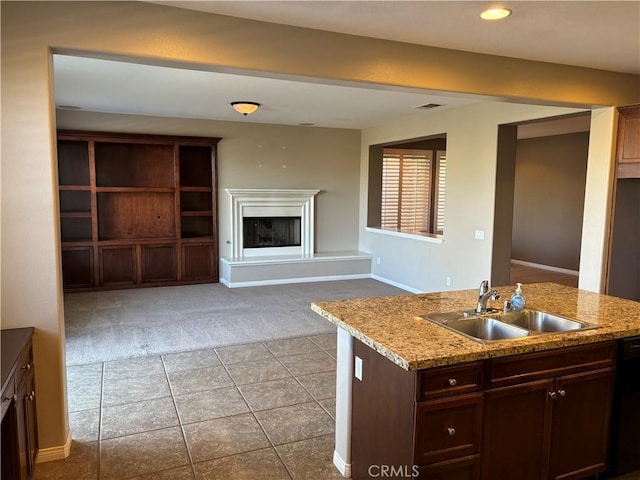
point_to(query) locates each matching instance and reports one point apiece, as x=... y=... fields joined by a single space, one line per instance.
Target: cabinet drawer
x=23 y=367
x=443 y=381
x=448 y=428
x=467 y=468
x=528 y=367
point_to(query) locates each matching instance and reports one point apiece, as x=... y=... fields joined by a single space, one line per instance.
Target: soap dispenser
x=517 y=299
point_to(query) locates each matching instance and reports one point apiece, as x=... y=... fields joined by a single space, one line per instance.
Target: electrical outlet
x=479 y=235
x=378 y=260
x=448 y=281
x=358 y=368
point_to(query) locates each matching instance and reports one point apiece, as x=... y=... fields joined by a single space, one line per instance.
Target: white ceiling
x=596 y=34
x=119 y=87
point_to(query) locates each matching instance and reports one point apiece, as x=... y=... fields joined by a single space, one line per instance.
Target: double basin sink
x=498 y=325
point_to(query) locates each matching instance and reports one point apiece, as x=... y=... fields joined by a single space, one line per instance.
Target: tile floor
x=262 y=410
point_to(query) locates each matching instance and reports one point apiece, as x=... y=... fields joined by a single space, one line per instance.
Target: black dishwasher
x=626 y=421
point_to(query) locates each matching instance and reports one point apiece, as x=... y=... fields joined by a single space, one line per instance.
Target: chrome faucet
x=484 y=294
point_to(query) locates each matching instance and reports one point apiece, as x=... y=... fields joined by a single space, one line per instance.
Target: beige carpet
x=117 y=324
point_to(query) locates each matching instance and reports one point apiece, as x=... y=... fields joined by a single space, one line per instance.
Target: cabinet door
x=31 y=423
x=22 y=434
x=77 y=267
x=628 y=149
x=9 y=466
x=516 y=437
x=197 y=261
x=581 y=418
x=159 y=263
x=117 y=265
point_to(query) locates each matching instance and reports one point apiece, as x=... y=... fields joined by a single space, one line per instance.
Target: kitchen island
x=401 y=350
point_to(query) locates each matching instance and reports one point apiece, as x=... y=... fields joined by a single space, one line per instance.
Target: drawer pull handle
x=561 y=392
x=27 y=367
x=453 y=382
x=553 y=394
x=451 y=431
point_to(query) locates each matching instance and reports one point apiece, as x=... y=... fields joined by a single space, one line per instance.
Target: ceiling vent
x=427 y=106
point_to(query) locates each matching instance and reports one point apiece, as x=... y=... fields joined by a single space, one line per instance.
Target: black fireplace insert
x=261 y=232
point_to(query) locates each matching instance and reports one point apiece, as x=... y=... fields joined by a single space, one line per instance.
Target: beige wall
x=469 y=203
x=549 y=199
x=252 y=155
x=31 y=293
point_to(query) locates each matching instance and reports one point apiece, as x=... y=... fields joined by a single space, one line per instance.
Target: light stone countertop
x=392 y=325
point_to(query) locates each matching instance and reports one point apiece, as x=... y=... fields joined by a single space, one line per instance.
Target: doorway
x=540 y=187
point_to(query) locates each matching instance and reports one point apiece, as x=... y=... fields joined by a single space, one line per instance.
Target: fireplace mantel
x=272 y=202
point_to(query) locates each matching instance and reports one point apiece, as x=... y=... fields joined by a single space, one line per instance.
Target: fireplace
x=271 y=222
x=263 y=232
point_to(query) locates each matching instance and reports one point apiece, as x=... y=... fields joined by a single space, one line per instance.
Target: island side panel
x=344 y=381
x=382 y=416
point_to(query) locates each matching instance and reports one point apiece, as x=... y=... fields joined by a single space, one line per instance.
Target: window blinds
x=406 y=190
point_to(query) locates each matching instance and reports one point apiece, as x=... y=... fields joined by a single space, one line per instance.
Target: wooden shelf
x=75 y=214
x=76 y=244
x=195 y=189
x=74 y=188
x=127 y=205
x=135 y=189
x=197 y=213
x=138 y=241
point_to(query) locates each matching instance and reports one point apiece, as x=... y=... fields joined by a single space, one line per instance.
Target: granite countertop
x=392 y=325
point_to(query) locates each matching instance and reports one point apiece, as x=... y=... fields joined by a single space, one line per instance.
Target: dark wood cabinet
x=623 y=272
x=552 y=419
x=516 y=437
x=136 y=210
x=628 y=144
x=534 y=416
x=19 y=420
x=581 y=418
x=425 y=424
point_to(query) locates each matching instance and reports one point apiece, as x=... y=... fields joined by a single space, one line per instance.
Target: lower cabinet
x=118 y=265
x=19 y=424
x=409 y=424
x=552 y=417
x=533 y=416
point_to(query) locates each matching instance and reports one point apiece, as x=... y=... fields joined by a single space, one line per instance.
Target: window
x=412 y=187
x=406 y=179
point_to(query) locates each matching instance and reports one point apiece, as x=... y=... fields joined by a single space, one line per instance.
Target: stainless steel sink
x=498 y=326
x=486 y=329
x=542 y=322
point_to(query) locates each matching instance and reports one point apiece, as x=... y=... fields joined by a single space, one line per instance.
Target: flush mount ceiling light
x=495 y=13
x=245 y=108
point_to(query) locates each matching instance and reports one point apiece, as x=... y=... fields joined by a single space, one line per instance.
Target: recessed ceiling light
x=495 y=13
x=306 y=124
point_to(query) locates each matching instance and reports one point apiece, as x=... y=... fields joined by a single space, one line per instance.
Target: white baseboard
x=343 y=468
x=546 y=267
x=396 y=284
x=55 y=453
x=282 y=281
